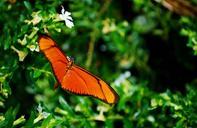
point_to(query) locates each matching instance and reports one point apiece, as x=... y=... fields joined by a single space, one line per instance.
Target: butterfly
x=73 y=78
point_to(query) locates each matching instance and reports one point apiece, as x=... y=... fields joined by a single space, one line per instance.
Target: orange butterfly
x=73 y=78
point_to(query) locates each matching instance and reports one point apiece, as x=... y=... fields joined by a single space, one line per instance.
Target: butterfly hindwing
x=84 y=83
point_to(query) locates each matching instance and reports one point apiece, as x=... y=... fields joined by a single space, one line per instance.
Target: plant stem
x=94 y=33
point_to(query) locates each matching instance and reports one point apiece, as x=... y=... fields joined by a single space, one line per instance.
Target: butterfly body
x=73 y=78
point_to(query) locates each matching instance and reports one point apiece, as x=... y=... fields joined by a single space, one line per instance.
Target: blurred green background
x=144 y=51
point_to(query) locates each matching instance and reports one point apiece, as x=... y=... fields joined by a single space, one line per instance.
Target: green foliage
x=106 y=40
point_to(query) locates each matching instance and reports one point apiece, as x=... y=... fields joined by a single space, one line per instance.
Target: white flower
x=39 y=108
x=21 y=54
x=36 y=18
x=122 y=78
x=45 y=114
x=66 y=16
x=42 y=113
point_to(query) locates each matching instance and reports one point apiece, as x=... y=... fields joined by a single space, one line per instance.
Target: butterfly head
x=71 y=61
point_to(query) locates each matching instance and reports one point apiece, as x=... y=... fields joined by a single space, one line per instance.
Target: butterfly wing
x=74 y=78
x=80 y=81
x=55 y=56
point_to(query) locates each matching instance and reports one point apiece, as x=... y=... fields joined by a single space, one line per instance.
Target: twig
x=181 y=7
x=94 y=33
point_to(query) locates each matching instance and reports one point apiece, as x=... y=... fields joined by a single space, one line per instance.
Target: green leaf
x=30 y=122
x=28 y=5
x=51 y=122
x=36 y=73
x=65 y=106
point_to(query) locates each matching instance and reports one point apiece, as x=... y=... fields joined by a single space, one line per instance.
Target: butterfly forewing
x=54 y=55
